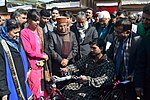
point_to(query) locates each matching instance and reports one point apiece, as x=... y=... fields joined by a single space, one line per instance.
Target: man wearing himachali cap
x=62 y=42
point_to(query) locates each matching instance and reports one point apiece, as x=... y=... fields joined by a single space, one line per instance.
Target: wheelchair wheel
x=115 y=94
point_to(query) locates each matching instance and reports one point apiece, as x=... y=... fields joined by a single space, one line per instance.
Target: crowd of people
x=35 y=45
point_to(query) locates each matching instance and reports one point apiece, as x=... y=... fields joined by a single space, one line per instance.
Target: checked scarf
x=126 y=45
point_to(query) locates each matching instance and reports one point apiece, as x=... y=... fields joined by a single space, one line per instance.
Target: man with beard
x=84 y=34
x=123 y=53
x=144 y=25
x=94 y=71
x=21 y=16
x=142 y=66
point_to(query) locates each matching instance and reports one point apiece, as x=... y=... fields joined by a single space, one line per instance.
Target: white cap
x=140 y=13
x=103 y=14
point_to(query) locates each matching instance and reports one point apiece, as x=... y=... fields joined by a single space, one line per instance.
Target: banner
x=2 y=2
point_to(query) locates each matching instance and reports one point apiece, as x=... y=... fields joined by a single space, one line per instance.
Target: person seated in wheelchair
x=94 y=70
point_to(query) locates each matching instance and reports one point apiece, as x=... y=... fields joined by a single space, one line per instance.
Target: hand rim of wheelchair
x=114 y=94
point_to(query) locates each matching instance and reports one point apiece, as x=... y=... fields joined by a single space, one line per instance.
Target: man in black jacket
x=142 y=65
x=123 y=53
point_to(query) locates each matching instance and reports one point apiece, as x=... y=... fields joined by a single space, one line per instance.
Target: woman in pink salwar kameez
x=32 y=38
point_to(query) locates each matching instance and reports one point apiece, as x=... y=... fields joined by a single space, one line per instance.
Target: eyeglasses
x=117 y=32
x=88 y=12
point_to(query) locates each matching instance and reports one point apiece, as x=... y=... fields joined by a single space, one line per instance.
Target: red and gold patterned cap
x=61 y=19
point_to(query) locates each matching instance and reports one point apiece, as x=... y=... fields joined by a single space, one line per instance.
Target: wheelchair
x=114 y=94
x=55 y=93
x=115 y=91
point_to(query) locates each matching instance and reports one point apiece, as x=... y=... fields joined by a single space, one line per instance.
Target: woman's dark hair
x=100 y=43
x=33 y=14
x=125 y=22
x=45 y=12
x=12 y=24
